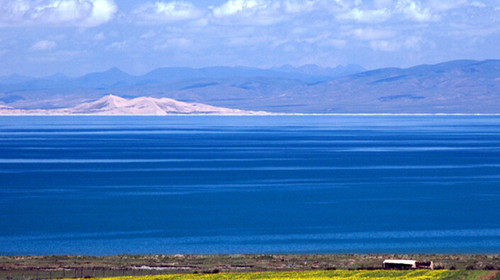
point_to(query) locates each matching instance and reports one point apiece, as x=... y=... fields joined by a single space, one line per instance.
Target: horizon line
x=272 y=68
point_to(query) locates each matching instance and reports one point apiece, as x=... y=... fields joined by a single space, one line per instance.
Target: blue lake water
x=261 y=184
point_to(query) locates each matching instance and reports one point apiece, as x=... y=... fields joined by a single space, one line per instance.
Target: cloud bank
x=161 y=12
x=43 y=45
x=154 y=33
x=83 y=13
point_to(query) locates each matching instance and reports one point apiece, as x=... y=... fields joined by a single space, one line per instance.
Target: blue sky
x=73 y=37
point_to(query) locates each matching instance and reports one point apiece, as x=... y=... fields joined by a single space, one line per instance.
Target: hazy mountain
x=114 y=77
x=322 y=73
x=14 y=79
x=463 y=86
x=110 y=78
x=303 y=73
x=452 y=87
x=115 y=105
x=58 y=91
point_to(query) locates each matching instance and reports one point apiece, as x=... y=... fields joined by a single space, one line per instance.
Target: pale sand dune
x=115 y=105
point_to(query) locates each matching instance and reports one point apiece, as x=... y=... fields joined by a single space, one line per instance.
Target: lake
x=102 y=185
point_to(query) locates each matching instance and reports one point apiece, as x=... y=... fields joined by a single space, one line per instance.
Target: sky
x=74 y=37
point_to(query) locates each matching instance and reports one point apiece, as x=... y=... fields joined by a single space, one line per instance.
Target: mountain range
x=460 y=86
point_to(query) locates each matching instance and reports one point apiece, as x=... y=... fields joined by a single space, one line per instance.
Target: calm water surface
x=262 y=184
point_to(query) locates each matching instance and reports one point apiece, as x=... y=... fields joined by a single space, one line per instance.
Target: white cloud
x=85 y=13
x=102 y=11
x=383 y=3
x=117 y=46
x=167 y=11
x=43 y=45
x=148 y=35
x=173 y=43
x=255 y=12
x=384 y=45
x=233 y=7
x=56 y=56
x=372 y=34
x=413 y=10
x=99 y=37
x=308 y=6
x=335 y=43
x=325 y=40
x=464 y=30
x=445 y=5
x=413 y=42
x=377 y=15
x=300 y=6
x=478 y=4
x=269 y=11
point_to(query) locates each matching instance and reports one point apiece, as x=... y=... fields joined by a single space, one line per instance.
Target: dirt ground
x=44 y=267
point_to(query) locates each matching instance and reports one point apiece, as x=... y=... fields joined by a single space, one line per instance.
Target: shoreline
x=64 y=266
x=267 y=114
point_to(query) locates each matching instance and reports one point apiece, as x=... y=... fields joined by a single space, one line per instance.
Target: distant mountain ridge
x=114 y=76
x=461 y=86
x=115 y=105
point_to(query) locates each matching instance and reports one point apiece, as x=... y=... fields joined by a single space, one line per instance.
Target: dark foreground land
x=45 y=267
